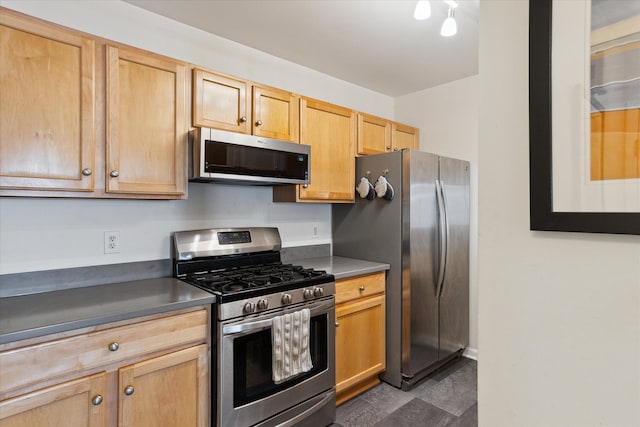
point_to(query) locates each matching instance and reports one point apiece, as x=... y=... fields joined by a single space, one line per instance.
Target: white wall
x=62 y=233
x=447 y=116
x=559 y=313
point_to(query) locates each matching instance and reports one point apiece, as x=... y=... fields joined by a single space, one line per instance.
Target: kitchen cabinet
x=151 y=372
x=81 y=116
x=374 y=134
x=360 y=334
x=331 y=131
x=379 y=135
x=229 y=103
x=146 y=123
x=75 y=403
x=403 y=136
x=47 y=107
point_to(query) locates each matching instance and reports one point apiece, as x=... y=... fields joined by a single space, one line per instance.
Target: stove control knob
x=249 y=307
x=318 y=292
x=307 y=294
x=263 y=304
x=286 y=298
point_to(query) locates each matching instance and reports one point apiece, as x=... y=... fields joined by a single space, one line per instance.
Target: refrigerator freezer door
x=371 y=230
x=420 y=261
x=454 y=298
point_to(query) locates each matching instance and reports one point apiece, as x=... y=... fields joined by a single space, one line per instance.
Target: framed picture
x=584 y=115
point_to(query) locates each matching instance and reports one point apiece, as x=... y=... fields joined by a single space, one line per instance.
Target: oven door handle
x=266 y=323
x=246 y=327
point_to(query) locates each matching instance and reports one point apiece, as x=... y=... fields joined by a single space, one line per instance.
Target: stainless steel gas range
x=274 y=358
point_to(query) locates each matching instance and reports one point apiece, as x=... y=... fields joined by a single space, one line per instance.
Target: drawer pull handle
x=97 y=400
x=129 y=390
x=361 y=288
x=114 y=346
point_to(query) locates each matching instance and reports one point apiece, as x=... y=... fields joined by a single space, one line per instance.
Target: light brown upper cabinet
x=228 y=103
x=82 y=117
x=374 y=134
x=47 y=106
x=330 y=130
x=146 y=123
x=378 y=135
x=403 y=136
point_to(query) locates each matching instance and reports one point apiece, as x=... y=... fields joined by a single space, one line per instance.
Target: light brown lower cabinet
x=147 y=373
x=74 y=403
x=360 y=334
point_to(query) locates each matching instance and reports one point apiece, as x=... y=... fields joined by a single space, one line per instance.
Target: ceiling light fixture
x=449 y=26
x=423 y=10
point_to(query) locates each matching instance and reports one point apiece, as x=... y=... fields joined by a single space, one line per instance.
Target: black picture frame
x=542 y=215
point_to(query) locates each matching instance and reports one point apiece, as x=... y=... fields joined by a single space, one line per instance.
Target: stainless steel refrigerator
x=423 y=234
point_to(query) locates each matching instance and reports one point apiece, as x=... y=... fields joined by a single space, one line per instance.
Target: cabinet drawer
x=28 y=365
x=361 y=286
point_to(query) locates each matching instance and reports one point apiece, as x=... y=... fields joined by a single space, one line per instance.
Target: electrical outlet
x=111 y=242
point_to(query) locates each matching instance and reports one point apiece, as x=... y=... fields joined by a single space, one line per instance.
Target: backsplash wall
x=47 y=234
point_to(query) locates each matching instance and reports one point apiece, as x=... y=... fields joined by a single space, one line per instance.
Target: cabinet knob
x=97 y=400
x=337 y=324
x=243 y=119
x=86 y=171
x=305 y=185
x=114 y=174
x=114 y=346
x=361 y=288
x=388 y=147
x=259 y=123
x=129 y=390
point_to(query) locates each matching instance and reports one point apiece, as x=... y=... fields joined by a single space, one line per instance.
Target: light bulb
x=423 y=10
x=449 y=26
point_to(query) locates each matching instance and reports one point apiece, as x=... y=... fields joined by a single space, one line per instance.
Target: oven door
x=247 y=393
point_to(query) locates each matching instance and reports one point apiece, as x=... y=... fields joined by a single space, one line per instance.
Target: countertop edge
x=29 y=316
x=342 y=267
x=100 y=320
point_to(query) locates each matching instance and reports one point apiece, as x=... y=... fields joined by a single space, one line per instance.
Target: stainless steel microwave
x=221 y=156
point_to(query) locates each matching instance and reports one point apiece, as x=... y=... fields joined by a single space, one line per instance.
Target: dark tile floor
x=446 y=398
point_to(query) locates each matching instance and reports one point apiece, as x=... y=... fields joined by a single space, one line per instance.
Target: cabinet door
x=360 y=341
x=76 y=403
x=146 y=123
x=170 y=390
x=330 y=130
x=403 y=136
x=47 y=79
x=374 y=134
x=220 y=102
x=275 y=113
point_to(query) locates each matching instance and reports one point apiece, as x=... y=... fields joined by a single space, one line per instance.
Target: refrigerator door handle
x=446 y=227
x=443 y=229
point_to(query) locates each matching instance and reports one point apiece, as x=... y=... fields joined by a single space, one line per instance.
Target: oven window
x=252 y=353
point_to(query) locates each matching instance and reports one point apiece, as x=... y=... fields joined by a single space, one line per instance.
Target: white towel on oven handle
x=290 y=345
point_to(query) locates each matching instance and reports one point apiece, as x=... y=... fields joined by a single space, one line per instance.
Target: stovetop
x=235 y=283
x=243 y=268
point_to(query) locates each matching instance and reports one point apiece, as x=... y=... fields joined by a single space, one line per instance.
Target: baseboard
x=471 y=353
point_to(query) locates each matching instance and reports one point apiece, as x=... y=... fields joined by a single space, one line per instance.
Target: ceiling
x=375 y=44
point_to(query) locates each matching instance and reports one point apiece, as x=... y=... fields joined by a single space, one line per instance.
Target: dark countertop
x=341 y=267
x=34 y=315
